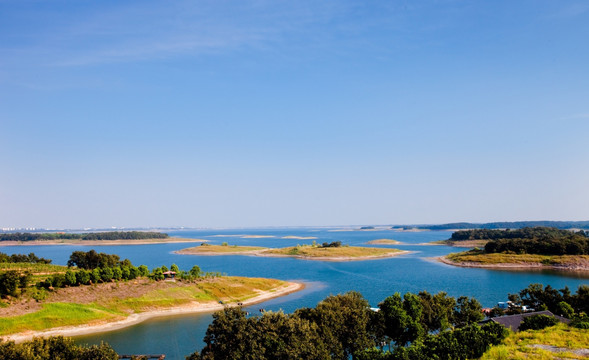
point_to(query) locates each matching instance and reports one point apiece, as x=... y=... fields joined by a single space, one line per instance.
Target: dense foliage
x=537 y=322
x=538 y=240
x=12 y=283
x=22 y=258
x=411 y=326
x=53 y=348
x=508 y=225
x=109 y=235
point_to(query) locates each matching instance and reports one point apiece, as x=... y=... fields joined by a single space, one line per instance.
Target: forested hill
x=537 y=240
x=507 y=225
x=110 y=235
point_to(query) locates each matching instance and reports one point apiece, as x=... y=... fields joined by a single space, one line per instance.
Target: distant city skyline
x=264 y=113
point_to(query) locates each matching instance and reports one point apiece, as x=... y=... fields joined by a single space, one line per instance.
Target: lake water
x=179 y=336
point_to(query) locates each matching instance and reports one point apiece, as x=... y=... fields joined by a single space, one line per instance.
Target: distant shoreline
x=100 y=242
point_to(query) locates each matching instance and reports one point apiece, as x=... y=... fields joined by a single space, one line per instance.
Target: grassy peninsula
x=99 y=291
x=524 y=248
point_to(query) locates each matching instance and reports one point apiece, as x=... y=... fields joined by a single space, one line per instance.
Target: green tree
x=467 y=311
x=9 y=283
x=344 y=322
x=70 y=278
x=83 y=277
x=565 y=310
x=438 y=311
x=106 y=274
x=117 y=273
x=143 y=270
x=195 y=271
x=174 y=268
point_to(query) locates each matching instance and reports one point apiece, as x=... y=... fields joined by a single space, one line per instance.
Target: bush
x=83 y=277
x=70 y=278
x=537 y=322
x=10 y=283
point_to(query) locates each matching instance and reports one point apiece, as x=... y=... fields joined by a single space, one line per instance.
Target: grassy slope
x=218 y=249
x=332 y=252
x=227 y=289
x=517 y=345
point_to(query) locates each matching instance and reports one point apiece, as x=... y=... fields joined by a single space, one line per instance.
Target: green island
x=333 y=251
x=93 y=238
x=383 y=242
x=98 y=291
x=538 y=247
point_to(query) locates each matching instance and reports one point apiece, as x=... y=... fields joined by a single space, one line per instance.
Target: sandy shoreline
x=137 y=318
x=515 y=266
x=101 y=242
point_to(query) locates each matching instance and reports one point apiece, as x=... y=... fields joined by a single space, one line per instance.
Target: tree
x=143 y=270
x=565 y=310
x=9 y=283
x=402 y=318
x=106 y=274
x=227 y=336
x=195 y=271
x=70 y=278
x=174 y=268
x=83 y=277
x=438 y=311
x=467 y=311
x=343 y=322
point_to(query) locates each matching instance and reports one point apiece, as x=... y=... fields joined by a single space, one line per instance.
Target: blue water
x=375 y=279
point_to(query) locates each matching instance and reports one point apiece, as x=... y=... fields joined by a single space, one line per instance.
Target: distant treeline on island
x=536 y=240
x=503 y=225
x=110 y=235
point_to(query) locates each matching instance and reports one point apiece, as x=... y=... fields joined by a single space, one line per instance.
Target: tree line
x=537 y=240
x=22 y=258
x=409 y=326
x=108 y=235
x=506 y=225
x=87 y=268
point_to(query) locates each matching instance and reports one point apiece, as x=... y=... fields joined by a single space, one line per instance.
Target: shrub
x=537 y=322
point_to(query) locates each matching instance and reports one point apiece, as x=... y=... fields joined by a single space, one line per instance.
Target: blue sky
x=269 y=113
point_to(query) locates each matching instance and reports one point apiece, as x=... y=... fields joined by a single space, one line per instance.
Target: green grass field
x=57 y=315
x=521 y=345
